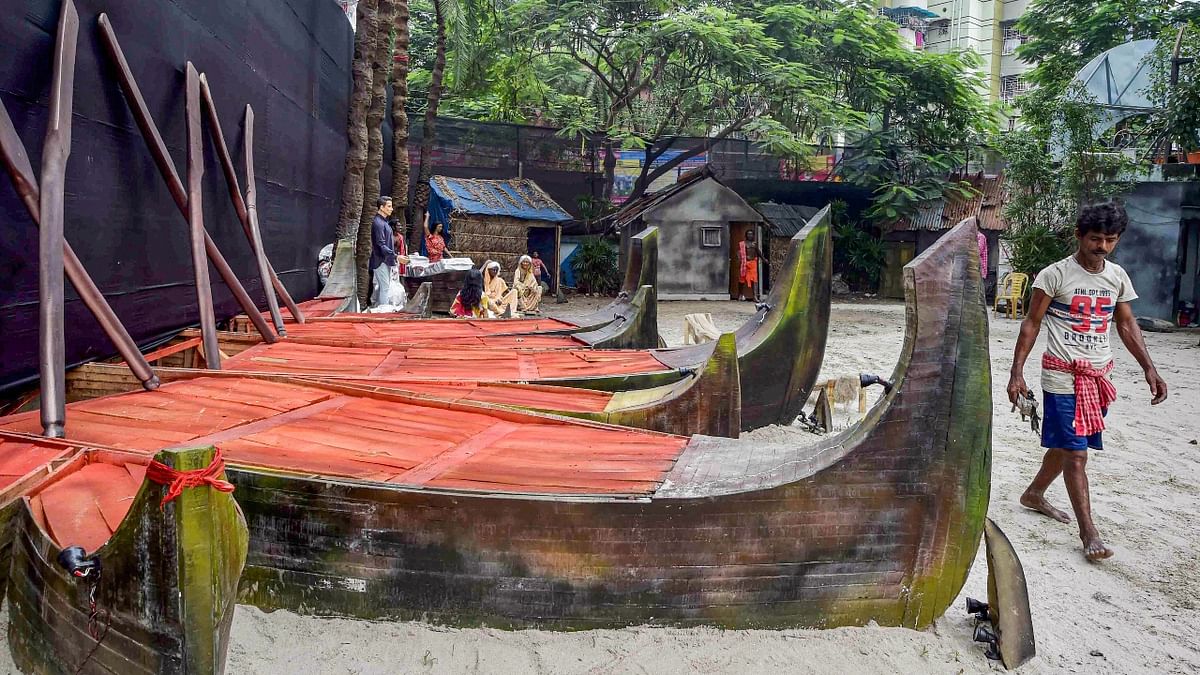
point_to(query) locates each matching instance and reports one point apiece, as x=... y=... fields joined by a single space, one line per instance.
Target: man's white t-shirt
x=1081 y=309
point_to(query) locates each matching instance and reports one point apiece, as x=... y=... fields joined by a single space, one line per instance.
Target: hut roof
x=946 y=213
x=634 y=208
x=785 y=220
x=514 y=198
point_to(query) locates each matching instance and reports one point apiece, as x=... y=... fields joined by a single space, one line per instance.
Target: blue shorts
x=1058 y=425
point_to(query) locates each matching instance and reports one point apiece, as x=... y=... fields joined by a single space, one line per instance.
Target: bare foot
x=1038 y=503
x=1094 y=549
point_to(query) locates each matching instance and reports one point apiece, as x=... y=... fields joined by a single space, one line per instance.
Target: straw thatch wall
x=498 y=238
x=779 y=251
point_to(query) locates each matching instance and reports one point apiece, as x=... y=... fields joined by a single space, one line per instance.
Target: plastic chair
x=1012 y=292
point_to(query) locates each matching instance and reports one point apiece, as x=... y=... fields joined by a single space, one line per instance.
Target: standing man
x=1079 y=296
x=383 y=256
x=748 y=255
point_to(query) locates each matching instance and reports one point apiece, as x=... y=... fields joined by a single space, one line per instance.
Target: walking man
x=1078 y=297
x=383 y=256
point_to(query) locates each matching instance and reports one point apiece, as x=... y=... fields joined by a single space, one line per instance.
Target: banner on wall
x=629 y=167
x=816 y=168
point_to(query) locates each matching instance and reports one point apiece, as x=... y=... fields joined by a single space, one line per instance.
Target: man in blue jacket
x=383 y=256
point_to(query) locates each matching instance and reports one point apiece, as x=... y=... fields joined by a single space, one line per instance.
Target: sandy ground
x=1137 y=612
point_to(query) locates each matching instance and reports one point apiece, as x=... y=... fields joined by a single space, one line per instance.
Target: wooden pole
x=235 y=194
x=55 y=151
x=252 y=217
x=12 y=151
x=557 y=247
x=269 y=278
x=195 y=173
x=162 y=159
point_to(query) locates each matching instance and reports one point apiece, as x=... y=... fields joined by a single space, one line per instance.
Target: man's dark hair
x=1105 y=218
x=383 y=199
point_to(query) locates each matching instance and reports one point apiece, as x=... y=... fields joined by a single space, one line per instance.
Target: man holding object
x=1078 y=296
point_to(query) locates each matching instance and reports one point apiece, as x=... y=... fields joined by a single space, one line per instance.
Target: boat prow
x=780 y=349
x=163 y=575
x=707 y=401
x=634 y=326
x=641 y=270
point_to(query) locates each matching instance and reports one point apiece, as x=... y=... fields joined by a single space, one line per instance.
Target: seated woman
x=525 y=283
x=471 y=302
x=497 y=290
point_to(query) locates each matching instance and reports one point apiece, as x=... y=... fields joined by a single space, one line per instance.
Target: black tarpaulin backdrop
x=289 y=59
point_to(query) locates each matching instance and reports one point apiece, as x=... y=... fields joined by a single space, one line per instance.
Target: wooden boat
x=779 y=350
x=706 y=401
x=512 y=519
x=154 y=586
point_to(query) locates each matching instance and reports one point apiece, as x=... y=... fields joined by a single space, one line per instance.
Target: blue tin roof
x=515 y=198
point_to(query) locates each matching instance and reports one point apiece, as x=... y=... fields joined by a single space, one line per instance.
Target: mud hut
x=700 y=223
x=498 y=220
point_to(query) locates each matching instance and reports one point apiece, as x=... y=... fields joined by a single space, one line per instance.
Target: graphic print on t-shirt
x=1086 y=318
x=1080 y=315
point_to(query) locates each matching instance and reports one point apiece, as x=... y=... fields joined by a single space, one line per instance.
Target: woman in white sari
x=525 y=283
x=495 y=288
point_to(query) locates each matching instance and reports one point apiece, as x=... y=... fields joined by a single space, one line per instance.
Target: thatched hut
x=498 y=220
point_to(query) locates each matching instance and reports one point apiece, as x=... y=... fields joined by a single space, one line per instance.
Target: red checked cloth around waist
x=1093 y=391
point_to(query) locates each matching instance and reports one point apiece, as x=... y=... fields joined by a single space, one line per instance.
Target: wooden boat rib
x=508 y=518
x=167 y=582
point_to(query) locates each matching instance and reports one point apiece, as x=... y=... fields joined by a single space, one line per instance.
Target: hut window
x=710 y=236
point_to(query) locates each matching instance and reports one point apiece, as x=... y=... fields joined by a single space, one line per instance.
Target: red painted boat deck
x=19 y=458
x=442 y=362
x=314 y=431
x=84 y=507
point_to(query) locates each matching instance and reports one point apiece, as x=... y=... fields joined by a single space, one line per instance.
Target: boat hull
x=878 y=524
x=166 y=591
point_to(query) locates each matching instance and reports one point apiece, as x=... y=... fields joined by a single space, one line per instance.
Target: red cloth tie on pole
x=178 y=480
x=1093 y=391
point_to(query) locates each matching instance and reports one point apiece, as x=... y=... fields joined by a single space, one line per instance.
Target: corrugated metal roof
x=634 y=208
x=944 y=214
x=785 y=220
x=515 y=198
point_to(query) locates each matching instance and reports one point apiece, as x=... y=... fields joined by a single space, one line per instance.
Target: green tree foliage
x=1065 y=34
x=654 y=75
x=1052 y=170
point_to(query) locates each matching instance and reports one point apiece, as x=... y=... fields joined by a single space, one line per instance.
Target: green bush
x=858 y=253
x=596 y=267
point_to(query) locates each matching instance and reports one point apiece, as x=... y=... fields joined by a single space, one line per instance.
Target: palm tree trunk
x=400 y=165
x=421 y=198
x=356 y=122
x=381 y=65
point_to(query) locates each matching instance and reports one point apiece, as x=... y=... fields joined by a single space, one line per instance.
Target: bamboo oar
x=55 y=151
x=16 y=160
x=195 y=173
x=239 y=205
x=162 y=159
